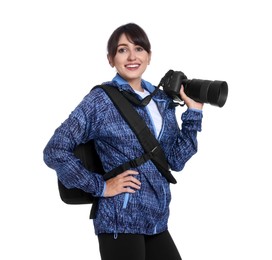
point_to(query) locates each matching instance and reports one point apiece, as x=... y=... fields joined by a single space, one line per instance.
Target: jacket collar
x=123 y=84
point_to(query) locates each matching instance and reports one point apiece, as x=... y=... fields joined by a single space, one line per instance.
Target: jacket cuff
x=104 y=188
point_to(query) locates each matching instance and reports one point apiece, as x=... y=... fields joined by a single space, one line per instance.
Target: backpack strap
x=150 y=144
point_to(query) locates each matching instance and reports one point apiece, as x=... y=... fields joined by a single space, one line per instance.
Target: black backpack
x=91 y=161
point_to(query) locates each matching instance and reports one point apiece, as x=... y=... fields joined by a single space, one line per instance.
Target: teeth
x=132 y=66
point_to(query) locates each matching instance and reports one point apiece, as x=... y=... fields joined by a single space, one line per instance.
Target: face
x=130 y=60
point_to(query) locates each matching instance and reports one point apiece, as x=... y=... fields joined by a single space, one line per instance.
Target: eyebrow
x=122 y=44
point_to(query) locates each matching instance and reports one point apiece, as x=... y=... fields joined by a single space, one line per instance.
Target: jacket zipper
x=125 y=200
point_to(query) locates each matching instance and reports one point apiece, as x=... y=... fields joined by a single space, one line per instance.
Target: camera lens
x=206 y=91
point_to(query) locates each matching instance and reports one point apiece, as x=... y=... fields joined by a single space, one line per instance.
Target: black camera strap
x=133 y=99
x=150 y=144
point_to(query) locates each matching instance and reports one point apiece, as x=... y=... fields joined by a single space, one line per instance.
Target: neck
x=136 y=85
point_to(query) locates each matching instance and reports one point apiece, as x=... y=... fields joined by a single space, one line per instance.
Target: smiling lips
x=132 y=66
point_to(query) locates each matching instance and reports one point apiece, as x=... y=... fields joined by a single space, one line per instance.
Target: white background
x=53 y=52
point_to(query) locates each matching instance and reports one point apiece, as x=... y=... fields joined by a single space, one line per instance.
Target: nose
x=132 y=55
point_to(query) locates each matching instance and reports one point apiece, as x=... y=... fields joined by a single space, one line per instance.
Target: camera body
x=203 y=91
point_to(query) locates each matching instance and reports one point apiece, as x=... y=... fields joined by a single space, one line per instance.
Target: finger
x=129 y=190
x=132 y=185
x=132 y=180
x=181 y=90
x=129 y=172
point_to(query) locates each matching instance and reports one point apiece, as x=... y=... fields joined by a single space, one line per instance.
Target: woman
x=133 y=208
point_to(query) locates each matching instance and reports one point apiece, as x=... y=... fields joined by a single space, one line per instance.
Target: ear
x=110 y=61
x=149 y=58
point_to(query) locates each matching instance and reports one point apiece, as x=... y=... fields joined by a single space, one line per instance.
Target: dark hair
x=134 y=33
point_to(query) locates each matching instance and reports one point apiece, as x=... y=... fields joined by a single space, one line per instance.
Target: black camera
x=203 y=91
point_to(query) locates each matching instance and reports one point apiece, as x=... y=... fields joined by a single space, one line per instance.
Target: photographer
x=131 y=220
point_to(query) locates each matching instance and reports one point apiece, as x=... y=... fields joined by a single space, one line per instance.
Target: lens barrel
x=206 y=91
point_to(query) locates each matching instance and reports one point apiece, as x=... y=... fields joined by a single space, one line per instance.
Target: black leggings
x=138 y=247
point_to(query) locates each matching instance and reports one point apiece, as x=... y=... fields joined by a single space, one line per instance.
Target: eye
x=139 y=49
x=121 y=50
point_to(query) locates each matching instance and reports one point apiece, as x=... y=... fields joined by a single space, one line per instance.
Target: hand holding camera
x=190 y=103
x=201 y=91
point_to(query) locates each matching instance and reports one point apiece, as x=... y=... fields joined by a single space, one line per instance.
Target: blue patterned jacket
x=147 y=210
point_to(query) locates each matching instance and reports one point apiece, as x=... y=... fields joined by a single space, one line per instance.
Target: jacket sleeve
x=185 y=144
x=58 y=154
